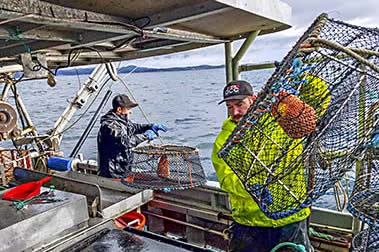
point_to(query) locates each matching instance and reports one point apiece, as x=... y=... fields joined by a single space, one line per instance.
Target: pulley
x=8 y=119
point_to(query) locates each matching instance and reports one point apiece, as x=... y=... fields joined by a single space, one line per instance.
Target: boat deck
x=199 y=216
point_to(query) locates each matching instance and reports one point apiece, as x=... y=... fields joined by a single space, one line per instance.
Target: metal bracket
x=34 y=70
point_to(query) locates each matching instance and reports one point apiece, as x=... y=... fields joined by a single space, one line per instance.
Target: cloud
x=365 y=21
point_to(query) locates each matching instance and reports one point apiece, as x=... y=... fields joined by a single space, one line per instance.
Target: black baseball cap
x=237 y=90
x=123 y=101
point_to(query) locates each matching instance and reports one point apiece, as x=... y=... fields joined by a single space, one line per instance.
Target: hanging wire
x=135 y=100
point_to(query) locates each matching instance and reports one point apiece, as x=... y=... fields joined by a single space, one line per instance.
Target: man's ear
x=252 y=98
x=118 y=110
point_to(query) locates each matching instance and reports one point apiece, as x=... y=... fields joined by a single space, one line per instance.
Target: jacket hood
x=112 y=116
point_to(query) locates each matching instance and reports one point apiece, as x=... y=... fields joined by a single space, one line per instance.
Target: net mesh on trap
x=364 y=200
x=165 y=167
x=307 y=127
x=366 y=241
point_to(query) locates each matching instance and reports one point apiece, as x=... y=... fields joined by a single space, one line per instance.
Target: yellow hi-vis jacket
x=245 y=210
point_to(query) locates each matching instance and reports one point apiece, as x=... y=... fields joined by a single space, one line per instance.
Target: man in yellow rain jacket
x=252 y=230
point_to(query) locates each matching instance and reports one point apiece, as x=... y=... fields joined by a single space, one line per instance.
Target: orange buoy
x=163 y=170
x=132 y=219
x=297 y=118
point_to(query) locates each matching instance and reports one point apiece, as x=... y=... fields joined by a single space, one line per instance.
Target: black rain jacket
x=117 y=136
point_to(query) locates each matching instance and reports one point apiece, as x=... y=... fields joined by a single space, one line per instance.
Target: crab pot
x=307 y=126
x=11 y=158
x=364 y=200
x=366 y=241
x=165 y=167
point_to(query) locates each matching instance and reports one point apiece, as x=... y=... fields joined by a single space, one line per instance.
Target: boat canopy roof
x=72 y=32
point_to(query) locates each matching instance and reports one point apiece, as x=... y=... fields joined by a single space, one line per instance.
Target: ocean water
x=185 y=101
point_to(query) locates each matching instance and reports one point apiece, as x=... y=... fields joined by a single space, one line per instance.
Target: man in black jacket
x=118 y=135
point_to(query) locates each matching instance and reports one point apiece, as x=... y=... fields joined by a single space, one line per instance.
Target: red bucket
x=131 y=219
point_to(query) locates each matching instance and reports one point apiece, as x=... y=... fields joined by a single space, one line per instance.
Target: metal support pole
x=241 y=52
x=252 y=67
x=92 y=85
x=228 y=61
x=24 y=112
x=90 y=125
x=5 y=92
x=362 y=130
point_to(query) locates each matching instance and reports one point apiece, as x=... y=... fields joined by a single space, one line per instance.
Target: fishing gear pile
x=366 y=241
x=364 y=200
x=307 y=127
x=165 y=167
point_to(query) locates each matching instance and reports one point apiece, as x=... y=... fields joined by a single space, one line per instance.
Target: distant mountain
x=128 y=69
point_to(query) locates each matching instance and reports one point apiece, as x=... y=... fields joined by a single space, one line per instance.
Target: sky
x=268 y=48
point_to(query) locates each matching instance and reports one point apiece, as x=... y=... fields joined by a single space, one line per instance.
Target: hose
x=299 y=247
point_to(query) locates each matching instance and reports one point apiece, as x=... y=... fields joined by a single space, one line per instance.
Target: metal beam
x=151 y=51
x=251 y=67
x=241 y=52
x=185 y=14
x=49 y=35
x=71 y=24
x=30 y=7
x=91 y=38
x=17 y=47
x=173 y=34
x=11 y=69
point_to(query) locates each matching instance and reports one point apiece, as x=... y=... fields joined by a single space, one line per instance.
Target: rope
x=15 y=35
x=20 y=204
x=135 y=100
x=346 y=50
x=320 y=235
x=337 y=189
x=298 y=247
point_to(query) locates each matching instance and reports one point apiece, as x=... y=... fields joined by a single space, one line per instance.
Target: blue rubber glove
x=150 y=135
x=156 y=127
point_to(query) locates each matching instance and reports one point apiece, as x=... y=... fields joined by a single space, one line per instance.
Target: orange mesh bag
x=163 y=170
x=297 y=118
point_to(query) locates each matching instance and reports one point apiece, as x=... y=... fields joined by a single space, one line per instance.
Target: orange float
x=297 y=118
